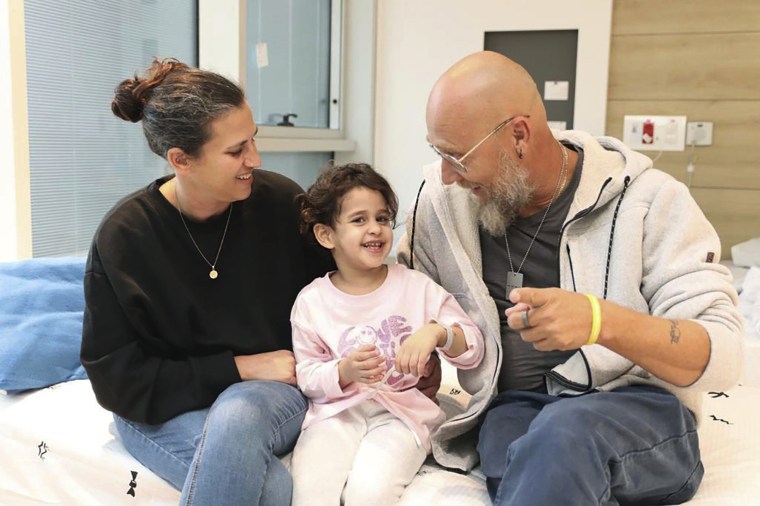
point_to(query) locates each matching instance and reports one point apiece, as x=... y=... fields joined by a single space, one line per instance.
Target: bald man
x=595 y=280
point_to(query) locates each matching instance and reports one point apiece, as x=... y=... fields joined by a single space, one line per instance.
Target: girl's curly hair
x=321 y=203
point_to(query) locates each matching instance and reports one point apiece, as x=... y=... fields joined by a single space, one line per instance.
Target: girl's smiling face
x=362 y=236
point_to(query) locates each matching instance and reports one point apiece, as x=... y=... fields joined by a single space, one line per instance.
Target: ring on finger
x=525 y=321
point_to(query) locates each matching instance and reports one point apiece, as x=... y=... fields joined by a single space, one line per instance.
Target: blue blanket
x=41 y=305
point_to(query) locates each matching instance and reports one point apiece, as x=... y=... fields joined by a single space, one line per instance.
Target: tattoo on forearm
x=675 y=332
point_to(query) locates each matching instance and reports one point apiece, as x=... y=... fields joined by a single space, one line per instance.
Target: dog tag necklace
x=515 y=277
x=213 y=274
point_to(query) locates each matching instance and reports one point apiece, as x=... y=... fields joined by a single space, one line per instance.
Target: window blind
x=82 y=158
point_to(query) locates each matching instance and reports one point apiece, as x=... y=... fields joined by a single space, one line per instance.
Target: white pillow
x=747 y=253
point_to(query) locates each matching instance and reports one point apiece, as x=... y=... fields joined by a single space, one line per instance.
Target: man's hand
x=676 y=351
x=430 y=381
x=363 y=365
x=273 y=366
x=556 y=319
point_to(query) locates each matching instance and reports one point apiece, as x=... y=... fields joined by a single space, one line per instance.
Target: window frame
x=15 y=191
x=222 y=48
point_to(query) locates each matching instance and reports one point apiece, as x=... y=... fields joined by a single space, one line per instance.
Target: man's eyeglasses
x=457 y=162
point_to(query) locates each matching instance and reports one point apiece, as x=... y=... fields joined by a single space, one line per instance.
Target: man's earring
x=519 y=154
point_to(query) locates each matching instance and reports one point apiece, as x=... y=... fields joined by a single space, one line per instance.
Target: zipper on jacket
x=572 y=271
x=583 y=212
x=580 y=214
x=551 y=374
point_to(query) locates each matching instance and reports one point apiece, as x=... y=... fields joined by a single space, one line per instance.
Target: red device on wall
x=647 y=132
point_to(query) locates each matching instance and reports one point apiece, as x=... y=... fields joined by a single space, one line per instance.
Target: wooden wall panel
x=735 y=214
x=684 y=16
x=699 y=59
x=685 y=67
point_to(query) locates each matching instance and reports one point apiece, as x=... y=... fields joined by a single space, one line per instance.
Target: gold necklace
x=213 y=274
x=515 y=277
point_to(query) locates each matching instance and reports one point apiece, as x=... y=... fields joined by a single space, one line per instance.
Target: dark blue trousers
x=633 y=445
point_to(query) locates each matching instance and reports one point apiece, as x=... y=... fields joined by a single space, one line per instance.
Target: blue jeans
x=225 y=454
x=633 y=445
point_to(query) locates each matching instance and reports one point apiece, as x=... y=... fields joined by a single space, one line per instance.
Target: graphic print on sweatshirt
x=388 y=338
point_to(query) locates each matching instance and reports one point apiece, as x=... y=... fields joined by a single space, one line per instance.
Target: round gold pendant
x=213 y=274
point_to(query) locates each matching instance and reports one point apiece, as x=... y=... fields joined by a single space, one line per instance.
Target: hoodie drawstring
x=414 y=222
x=612 y=234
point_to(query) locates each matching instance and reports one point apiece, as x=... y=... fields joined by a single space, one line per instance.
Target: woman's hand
x=277 y=365
x=363 y=365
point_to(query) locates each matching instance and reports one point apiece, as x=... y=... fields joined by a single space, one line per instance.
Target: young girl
x=361 y=338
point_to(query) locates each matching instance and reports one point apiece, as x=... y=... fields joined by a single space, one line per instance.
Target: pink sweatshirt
x=329 y=324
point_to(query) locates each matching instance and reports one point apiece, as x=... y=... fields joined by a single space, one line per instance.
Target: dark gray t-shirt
x=523 y=367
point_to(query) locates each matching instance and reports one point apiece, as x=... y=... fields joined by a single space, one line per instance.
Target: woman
x=189 y=286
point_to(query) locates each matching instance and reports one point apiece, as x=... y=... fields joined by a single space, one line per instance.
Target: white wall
x=15 y=208
x=417 y=40
x=221 y=37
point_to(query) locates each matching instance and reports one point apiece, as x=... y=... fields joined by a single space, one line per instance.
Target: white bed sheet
x=56 y=448
x=747 y=283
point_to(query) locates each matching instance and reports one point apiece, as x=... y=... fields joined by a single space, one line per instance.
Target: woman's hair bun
x=127 y=103
x=131 y=95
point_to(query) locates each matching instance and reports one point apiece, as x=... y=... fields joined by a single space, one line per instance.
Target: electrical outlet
x=699 y=133
x=654 y=133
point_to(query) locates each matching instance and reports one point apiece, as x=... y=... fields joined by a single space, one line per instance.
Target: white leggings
x=365 y=449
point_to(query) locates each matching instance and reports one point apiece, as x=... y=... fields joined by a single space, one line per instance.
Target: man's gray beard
x=507 y=196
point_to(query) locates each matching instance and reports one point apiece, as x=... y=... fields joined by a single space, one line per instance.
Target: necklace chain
x=213 y=273
x=557 y=189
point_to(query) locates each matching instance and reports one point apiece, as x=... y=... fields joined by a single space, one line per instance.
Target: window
x=82 y=158
x=66 y=160
x=293 y=82
x=292 y=73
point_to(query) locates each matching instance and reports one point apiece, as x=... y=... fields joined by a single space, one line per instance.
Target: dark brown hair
x=176 y=104
x=323 y=200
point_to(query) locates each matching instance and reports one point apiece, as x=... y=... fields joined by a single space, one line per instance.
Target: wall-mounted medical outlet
x=654 y=133
x=699 y=133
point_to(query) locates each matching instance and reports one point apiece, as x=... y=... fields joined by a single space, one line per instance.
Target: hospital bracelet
x=449 y=338
x=449 y=335
x=596 y=319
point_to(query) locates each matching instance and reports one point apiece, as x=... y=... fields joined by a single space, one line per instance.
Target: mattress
x=57 y=447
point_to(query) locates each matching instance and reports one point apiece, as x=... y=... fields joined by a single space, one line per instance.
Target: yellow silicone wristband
x=596 y=319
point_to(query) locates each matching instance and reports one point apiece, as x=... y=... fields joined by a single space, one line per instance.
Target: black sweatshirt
x=159 y=334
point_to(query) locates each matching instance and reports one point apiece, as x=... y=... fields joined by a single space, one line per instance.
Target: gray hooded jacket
x=633 y=232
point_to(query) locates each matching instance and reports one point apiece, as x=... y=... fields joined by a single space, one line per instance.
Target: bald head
x=484 y=86
x=473 y=97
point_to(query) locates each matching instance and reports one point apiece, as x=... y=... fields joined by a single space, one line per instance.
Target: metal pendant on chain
x=515 y=277
x=213 y=274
